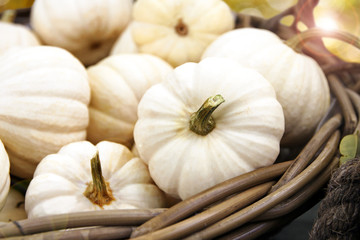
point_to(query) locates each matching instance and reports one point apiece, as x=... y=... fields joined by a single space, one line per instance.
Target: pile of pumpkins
x=121 y=104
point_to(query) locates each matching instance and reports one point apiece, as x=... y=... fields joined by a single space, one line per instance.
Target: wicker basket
x=249 y=206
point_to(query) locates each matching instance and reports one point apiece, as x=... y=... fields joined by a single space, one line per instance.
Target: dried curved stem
x=190 y=206
x=355 y=99
x=125 y=217
x=211 y=215
x=350 y=118
x=302 y=196
x=309 y=151
x=247 y=214
x=88 y=233
x=279 y=216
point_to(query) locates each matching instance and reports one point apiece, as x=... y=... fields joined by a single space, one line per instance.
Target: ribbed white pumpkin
x=61 y=179
x=117 y=85
x=44 y=97
x=14 y=35
x=88 y=29
x=301 y=86
x=4 y=175
x=177 y=31
x=249 y=126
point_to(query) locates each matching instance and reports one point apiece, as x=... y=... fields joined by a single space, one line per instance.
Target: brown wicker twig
x=126 y=217
x=338 y=89
x=210 y=215
x=309 y=151
x=256 y=209
x=283 y=213
x=190 y=206
x=88 y=233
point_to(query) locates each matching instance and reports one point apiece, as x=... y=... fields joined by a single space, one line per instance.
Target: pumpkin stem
x=181 y=28
x=201 y=122
x=98 y=191
x=8 y=16
x=295 y=42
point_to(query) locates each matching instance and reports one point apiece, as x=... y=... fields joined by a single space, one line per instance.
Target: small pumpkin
x=88 y=29
x=43 y=104
x=188 y=145
x=117 y=85
x=14 y=35
x=84 y=177
x=177 y=31
x=300 y=84
x=4 y=175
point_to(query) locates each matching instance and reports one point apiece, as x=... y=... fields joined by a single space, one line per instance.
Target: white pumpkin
x=177 y=31
x=185 y=155
x=117 y=85
x=44 y=97
x=300 y=84
x=88 y=29
x=69 y=181
x=125 y=43
x=4 y=175
x=14 y=35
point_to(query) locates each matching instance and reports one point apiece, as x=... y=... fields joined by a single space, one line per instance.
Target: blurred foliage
x=349 y=148
x=263 y=8
x=15 y=4
x=345 y=13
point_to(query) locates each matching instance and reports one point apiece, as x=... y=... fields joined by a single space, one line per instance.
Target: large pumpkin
x=117 y=85
x=43 y=104
x=88 y=29
x=301 y=86
x=189 y=146
x=14 y=35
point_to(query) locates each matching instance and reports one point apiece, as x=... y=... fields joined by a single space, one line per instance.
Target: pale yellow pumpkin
x=177 y=31
x=44 y=97
x=117 y=85
x=88 y=29
x=15 y=35
x=62 y=181
x=4 y=175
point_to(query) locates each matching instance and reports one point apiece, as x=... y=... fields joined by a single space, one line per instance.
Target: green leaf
x=349 y=148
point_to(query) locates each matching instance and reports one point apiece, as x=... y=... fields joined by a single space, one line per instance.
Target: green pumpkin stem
x=295 y=42
x=98 y=191
x=201 y=122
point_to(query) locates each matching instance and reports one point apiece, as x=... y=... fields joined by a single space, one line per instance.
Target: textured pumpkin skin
x=61 y=179
x=4 y=175
x=301 y=86
x=88 y=29
x=43 y=104
x=249 y=126
x=117 y=85
x=154 y=24
x=125 y=43
x=14 y=35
